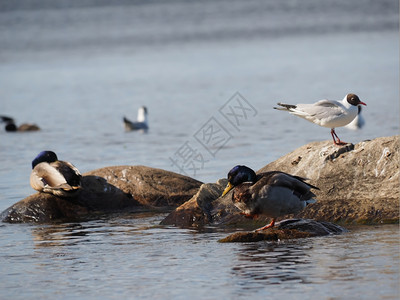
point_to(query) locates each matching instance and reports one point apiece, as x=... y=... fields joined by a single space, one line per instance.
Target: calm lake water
x=76 y=68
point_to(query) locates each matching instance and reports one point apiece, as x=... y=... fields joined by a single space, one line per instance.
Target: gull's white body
x=327 y=113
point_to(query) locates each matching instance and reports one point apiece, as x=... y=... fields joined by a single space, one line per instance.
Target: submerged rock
x=357 y=184
x=108 y=190
x=285 y=230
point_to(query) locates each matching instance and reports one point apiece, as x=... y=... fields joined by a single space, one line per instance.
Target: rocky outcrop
x=107 y=190
x=198 y=210
x=358 y=184
x=150 y=187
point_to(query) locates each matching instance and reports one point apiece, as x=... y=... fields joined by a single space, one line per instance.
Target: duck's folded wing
x=69 y=173
x=72 y=167
x=47 y=176
x=295 y=183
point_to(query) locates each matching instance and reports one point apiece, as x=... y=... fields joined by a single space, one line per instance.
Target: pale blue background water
x=76 y=68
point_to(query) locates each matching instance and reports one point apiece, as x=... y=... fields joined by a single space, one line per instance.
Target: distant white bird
x=327 y=113
x=141 y=123
x=358 y=121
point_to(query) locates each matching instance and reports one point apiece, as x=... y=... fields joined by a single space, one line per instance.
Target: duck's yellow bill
x=229 y=186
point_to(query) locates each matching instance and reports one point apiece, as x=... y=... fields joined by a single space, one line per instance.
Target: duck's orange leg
x=270 y=225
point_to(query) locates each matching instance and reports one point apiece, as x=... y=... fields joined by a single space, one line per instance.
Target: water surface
x=76 y=68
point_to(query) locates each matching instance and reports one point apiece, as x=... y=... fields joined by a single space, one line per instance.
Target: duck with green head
x=50 y=175
x=273 y=194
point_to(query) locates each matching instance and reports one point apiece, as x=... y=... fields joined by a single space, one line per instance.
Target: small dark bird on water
x=12 y=127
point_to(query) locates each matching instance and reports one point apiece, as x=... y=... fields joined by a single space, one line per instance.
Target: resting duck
x=272 y=194
x=50 y=175
x=12 y=127
x=141 y=123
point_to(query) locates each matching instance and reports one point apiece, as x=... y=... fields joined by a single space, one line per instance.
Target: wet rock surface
x=108 y=190
x=286 y=230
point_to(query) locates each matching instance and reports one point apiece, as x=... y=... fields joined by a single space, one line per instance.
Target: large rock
x=198 y=209
x=108 y=190
x=150 y=186
x=357 y=184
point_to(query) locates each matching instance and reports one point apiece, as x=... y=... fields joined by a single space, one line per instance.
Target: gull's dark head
x=354 y=100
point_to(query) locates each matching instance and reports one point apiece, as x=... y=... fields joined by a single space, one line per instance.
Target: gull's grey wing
x=321 y=109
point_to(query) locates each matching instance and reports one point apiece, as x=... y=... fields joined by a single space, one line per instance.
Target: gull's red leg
x=338 y=141
x=333 y=135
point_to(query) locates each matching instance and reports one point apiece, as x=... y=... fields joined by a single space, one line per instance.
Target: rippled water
x=76 y=68
x=133 y=257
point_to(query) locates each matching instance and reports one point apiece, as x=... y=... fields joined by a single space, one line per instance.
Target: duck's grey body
x=274 y=194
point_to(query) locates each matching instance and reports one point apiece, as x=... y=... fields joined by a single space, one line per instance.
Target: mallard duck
x=141 y=123
x=50 y=175
x=327 y=113
x=272 y=194
x=12 y=127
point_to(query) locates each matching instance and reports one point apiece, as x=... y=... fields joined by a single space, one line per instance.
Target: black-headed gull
x=327 y=113
x=141 y=123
